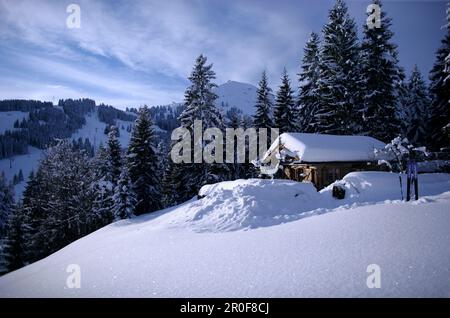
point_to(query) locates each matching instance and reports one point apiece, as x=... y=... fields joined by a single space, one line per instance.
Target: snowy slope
x=94 y=131
x=26 y=163
x=237 y=94
x=7 y=119
x=171 y=254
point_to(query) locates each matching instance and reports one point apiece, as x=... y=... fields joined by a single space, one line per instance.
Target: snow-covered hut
x=318 y=158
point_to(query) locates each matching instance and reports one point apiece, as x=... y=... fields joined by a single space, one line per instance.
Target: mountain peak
x=237 y=94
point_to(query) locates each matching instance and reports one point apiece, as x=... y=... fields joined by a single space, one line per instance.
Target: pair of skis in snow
x=411 y=173
x=412 y=179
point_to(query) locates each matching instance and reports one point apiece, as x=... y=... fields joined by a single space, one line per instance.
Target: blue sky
x=135 y=52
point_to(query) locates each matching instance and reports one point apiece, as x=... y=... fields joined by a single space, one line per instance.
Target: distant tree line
x=108 y=114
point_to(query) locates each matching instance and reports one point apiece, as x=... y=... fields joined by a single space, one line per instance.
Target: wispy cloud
x=141 y=51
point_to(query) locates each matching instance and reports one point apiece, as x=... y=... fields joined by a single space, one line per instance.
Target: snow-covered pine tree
x=57 y=201
x=263 y=112
x=107 y=167
x=382 y=75
x=339 y=74
x=308 y=99
x=199 y=97
x=161 y=152
x=142 y=162
x=285 y=113
x=124 y=197
x=439 y=138
x=199 y=105
x=171 y=183
x=417 y=106
x=264 y=107
x=15 y=245
x=102 y=188
x=114 y=155
x=33 y=209
x=6 y=203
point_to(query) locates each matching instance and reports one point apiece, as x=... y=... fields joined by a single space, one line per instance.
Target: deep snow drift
x=231 y=243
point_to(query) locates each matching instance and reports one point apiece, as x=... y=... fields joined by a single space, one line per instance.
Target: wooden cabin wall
x=323 y=174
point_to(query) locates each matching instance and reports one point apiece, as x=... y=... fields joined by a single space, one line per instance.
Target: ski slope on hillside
x=94 y=130
x=7 y=119
x=186 y=251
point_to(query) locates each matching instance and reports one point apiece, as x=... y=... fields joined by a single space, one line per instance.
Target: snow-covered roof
x=324 y=148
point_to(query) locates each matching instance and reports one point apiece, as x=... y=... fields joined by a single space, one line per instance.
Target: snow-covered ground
x=264 y=238
x=7 y=119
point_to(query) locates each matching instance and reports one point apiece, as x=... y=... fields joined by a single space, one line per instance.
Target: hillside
x=263 y=238
x=230 y=95
x=93 y=129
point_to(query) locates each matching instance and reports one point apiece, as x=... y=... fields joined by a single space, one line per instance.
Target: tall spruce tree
x=285 y=113
x=382 y=75
x=416 y=123
x=33 y=208
x=308 y=100
x=199 y=105
x=263 y=112
x=142 y=162
x=107 y=168
x=114 y=155
x=339 y=74
x=439 y=137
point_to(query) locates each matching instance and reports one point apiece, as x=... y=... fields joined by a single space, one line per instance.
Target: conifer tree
x=339 y=74
x=102 y=188
x=285 y=114
x=308 y=99
x=439 y=137
x=142 y=162
x=114 y=155
x=416 y=123
x=199 y=104
x=6 y=203
x=382 y=76
x=124 y=197
x=15 y=245
x=263 y=113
